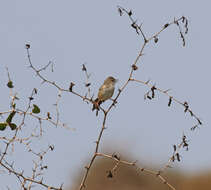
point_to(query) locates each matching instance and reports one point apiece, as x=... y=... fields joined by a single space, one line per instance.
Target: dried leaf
x=170 y=101
x=87 y=84
x=178 y=157
x=134 y=67
x=48 y=115
x=155 y=39
x=71 y=86
x=199 y=121
x=110 y=175
x=83 y=68
x=166 y=25
x=120 y=11
x=27 y=46
x=175 y=147
x=130 y=13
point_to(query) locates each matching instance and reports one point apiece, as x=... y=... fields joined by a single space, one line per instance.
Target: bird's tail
x=96 y=104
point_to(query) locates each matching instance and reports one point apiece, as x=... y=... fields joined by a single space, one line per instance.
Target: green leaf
x=35 y=109
x=3 y=126
x=9 y=119
x=13 y=126
x=10 y=84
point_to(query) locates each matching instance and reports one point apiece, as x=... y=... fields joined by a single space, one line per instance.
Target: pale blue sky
x=71 y=33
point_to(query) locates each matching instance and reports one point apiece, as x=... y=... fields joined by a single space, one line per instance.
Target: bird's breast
x=105 y=92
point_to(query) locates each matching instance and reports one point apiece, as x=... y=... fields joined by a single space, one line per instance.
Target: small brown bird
x=105 y=92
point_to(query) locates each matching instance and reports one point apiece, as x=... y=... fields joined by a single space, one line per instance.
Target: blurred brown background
x=128 y=178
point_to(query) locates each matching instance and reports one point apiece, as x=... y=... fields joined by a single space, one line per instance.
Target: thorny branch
x=87 y=83
x=26 y=182
x=16 y=137
x=139 y=30
x=171 y=99
x=118 y=161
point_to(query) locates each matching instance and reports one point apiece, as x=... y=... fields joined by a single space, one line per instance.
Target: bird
x=105 y=92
